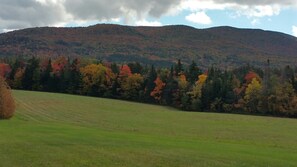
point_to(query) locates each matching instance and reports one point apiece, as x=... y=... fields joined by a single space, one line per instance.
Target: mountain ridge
x=224 y=45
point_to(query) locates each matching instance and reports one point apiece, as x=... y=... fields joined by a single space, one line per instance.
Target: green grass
x=65 y=130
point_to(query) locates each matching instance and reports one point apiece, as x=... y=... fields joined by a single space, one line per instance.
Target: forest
x=246 y=89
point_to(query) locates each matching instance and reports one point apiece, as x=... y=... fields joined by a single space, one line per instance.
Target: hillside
x=65 y=130
x=226 y=46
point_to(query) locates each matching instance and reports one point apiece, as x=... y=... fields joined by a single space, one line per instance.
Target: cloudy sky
x=276 y=15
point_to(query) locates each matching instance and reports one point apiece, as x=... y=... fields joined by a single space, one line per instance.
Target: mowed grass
x=66 y=130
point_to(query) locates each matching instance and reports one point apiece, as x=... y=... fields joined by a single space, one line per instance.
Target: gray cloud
x=16 y=14
x=107 y=9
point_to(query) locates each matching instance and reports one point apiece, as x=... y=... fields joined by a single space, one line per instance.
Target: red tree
x=125 y=71
x=4 y=69
x=250 y=76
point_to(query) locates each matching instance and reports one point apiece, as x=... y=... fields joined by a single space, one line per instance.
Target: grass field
x=65 y=130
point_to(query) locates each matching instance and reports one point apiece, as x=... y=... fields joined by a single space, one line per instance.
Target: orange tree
x=7 y=105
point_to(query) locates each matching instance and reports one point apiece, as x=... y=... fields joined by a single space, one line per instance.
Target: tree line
x=246 y=89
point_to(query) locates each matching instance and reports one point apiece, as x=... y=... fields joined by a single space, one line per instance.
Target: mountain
x=225 y=46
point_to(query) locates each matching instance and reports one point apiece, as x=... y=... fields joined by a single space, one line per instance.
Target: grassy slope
x=65 y=130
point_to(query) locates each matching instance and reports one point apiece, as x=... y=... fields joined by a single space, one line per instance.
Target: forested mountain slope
x=226 y=46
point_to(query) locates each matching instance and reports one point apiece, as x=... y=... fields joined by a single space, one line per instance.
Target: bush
x=7 y=105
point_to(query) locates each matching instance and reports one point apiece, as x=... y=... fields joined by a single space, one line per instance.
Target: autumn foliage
x=157 y=92
x=96 y=76
x=250 y=76
x=125 y=71
x=59 y=64
x=4 y=69
x=7 y=105
x=246 y=89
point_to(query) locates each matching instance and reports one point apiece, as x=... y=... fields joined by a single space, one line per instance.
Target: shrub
x=7 y=105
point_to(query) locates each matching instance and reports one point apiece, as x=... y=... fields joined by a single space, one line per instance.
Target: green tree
x=46 y=78
x=171 y=89
x=136 y=68
x=192 y=72
x=71 y=80
x=14 y=69
x=31 y=78
x=114 y=68
x=75 y=80
x=282 y=100
x=150 y=84
x=178 y=67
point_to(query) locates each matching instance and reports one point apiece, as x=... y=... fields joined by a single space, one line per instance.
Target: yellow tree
x=131 y=86
x=96 y=78
x=7 y=105
x=196 y=93
x=182 y=82
x=182 y=98
x=17 y=83
x=252 y=95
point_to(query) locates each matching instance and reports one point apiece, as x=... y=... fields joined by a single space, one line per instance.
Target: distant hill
x=225 y=46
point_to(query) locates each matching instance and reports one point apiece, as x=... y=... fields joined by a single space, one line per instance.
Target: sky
x=274 y=15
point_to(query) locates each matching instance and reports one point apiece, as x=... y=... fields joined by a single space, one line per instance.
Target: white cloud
x=250 y=9
x=148 y=23
x=194 y=5
x=294 y=30
x=115 y=20
x=7 y=30
x=258 y=11
x=255 y=22
x=199 y=18
x=258 y=2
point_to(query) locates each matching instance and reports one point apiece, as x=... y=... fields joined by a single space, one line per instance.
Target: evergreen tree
x=45 y=79
x=70 y=79
x=267 y=86
x=115 y=89
x=14 y=69
x=170 y=89
x=193 y=72
x=75 y=81
x=30 y=80
x=114 y=68
x=178 y=67
x=289 y=76
x=150 y=85
x=214 y=90
x=136 y=68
